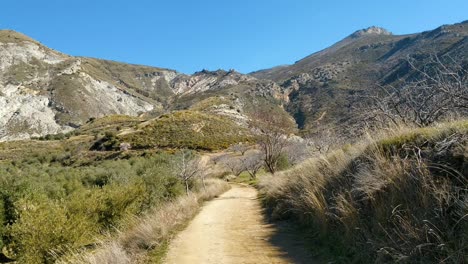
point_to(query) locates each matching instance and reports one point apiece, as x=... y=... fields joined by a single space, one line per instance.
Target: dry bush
x=187 y=167
x=273 y=133
x=401 y=198
x=108 y=253
x=297 y=150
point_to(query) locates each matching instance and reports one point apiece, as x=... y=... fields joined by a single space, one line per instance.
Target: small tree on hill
x=233 y=163
x=188 y=167
x=252 y=163
x=273 y=129
x=240 y=147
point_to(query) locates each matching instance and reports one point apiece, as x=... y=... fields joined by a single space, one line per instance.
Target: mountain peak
x=370 y=31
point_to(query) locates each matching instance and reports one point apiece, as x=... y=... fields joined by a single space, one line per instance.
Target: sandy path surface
x=232 y=229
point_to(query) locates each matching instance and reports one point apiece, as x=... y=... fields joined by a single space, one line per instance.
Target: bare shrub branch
x=439 y=90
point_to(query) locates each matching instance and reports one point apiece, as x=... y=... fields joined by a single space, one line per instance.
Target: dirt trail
x=232 y=229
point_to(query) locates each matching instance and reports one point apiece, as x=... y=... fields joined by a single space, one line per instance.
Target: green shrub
x=283 y=162
x=46 y=229
x=47 y=208
x=108 y=142
x=108 y=205
x=2 y=223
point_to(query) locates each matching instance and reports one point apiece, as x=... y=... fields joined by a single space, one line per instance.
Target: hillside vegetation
x=47 y=209
x=187 y=129
x=109 y=149
x=59 y=202
x=400 y=198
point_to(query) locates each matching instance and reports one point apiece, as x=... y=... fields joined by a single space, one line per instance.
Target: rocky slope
x=43 y=91
x=326 y=89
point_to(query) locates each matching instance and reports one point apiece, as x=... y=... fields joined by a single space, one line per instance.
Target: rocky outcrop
x=45 y=92
x=370 y=31
x=207 y=80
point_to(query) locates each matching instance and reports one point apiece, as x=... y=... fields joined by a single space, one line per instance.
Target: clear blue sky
x=188 y=35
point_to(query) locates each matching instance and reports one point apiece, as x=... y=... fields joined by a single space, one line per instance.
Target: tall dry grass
x=401 y=196
x=149 y=232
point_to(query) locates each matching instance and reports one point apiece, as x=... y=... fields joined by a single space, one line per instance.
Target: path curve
x=232 y=229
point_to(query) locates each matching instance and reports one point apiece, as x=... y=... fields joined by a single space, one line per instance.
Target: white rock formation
x=26 y=106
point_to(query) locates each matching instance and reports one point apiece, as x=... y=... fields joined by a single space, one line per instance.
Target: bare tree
x=322 y=141
x=240 y=147
x=439 y=90
x=187 y=167
x=253 y=163
x=297 y=151
x=232 y=163
x=274 y=129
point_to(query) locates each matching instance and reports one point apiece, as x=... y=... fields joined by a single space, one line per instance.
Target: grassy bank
x=399 y=198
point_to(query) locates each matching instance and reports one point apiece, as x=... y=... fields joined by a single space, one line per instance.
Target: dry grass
x=399 y=198
x=149 y=232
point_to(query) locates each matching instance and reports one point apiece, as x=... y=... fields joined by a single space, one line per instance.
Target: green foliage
x=422 y=135
x=109 y=123
x=108 y=142
x=2 y=222
x=45 y=228
x=187 y=129
x=47 y=209
x=283 y=162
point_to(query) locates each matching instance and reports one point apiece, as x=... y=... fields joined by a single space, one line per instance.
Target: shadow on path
x=289 y=240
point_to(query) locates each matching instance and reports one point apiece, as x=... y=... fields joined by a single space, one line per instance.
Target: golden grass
x=397 y=196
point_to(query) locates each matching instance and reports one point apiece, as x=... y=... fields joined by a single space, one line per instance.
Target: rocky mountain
x=326 y=88
x=43 y=91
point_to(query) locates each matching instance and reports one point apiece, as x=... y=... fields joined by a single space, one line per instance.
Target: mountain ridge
x=43 y=91
x=330 y=85
x=48 y=92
